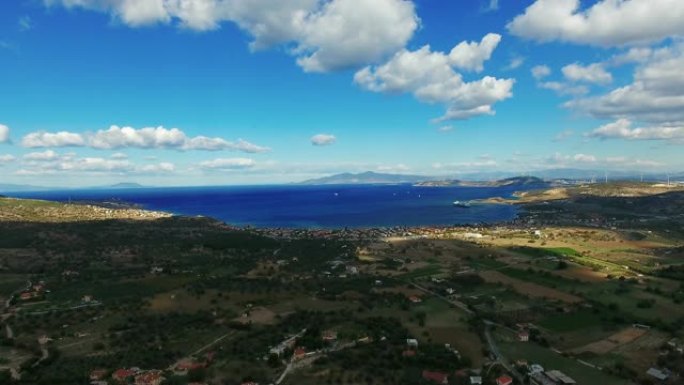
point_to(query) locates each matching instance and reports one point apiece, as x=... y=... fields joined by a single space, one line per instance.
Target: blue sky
x=193 y=92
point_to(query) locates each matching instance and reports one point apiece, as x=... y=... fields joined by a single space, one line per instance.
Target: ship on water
x=463 y=204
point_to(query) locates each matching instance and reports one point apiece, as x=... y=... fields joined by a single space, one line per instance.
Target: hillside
x=610 y=190
x=514 y=181
x=28 y=210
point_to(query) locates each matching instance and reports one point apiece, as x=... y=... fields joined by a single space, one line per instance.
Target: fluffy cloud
x=4 y=133
x=541 y=71
x=160 y=168
x=323 y=140
x=48 y=139
x=4 y=159
x=632 y=55
x=45 y=156
x=605 y=23
x=515 y=63
x=472 y=55
x=431 y=78
x=564 y=89
x=483 y=162
x=622 y=129
x=348 y=33
x=50 y=162
x=128 y=137
x=655 y=96
x=228 y=164
x=327 y=35
x=593 y=73
x=394 y=168
x=587 y=160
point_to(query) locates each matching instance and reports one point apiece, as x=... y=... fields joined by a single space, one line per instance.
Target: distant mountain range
x=496 y=178
x=515 y=181
x=10 y=188
x=368 y=177
x=122 y=186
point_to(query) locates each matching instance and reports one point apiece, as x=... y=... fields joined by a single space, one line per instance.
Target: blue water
x=312 y=206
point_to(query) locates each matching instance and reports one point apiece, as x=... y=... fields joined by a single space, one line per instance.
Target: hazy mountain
x=492 y=178
x=123 y=186
x=7 y=188
x=514 y=181
x=368 y=177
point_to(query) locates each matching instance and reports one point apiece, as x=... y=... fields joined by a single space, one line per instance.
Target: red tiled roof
x=151 y=377
x=438 y=377
x=299 y=352
x=121 y=374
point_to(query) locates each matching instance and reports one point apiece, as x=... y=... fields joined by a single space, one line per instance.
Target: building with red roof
x=150 y=377
x=299 y=353
x=504 y=380
x=436 y=377
x=122 y=375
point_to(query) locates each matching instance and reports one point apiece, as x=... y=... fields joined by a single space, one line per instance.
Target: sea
x=300 y=206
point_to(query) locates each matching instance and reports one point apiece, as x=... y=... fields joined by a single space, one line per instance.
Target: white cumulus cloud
x=592 y=162
x=57 y=139
x=4 y=133
x=323 y=140
x=7 y=158
x=623 y=129
x=431 y=78
x=327 y=35
x=655 y=96
x=145 y=138
x=593 y=73
x=160 y=168
x=228 y=164
x=50 y=162
x=541 y=71
x=472 y=55
x=603 y=23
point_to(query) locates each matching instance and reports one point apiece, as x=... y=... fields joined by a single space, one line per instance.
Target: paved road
x=500 y=358
x=458 y=304
x=44 y=355
x=203 y=348
x=212 y=343
x=308 y=360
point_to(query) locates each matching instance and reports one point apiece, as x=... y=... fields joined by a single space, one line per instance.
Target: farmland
x=600 y=301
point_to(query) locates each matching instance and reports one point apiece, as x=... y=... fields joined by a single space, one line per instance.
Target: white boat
x=464 y=204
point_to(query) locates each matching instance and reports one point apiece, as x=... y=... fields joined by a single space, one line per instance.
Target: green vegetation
x=152 y=293
x=579 y=320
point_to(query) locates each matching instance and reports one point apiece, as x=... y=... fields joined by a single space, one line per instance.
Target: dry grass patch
x=530 y=289
x=612 y=342
x=258 y=315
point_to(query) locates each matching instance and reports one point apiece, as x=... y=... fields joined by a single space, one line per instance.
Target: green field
x=581 y=319
x=549 y=360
